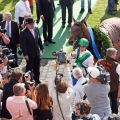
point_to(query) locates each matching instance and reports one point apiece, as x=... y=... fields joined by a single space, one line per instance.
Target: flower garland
x=103 y=38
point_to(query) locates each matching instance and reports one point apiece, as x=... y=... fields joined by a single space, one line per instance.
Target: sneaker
x=89 y=11
x=82 y=10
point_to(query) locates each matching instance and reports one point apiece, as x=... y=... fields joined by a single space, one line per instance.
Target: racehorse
x=101 y=37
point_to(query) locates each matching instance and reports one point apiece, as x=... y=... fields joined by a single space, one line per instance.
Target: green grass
x=100 y=13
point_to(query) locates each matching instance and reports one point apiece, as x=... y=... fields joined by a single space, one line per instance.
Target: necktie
x=7 y=33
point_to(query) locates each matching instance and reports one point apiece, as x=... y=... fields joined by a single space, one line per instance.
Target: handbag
x=59 y=105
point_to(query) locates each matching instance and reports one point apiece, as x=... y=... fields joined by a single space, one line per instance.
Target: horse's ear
x=74 y=19
x=84 y=21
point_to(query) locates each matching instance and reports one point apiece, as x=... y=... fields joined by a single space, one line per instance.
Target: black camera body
x=2 y=30
x=104 y=76
x=6 y=52
x=61 y=56
x=30 y=83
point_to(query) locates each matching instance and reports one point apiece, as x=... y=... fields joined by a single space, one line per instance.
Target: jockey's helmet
x=83 y=42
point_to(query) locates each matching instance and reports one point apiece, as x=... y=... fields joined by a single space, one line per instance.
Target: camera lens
x=26 y=76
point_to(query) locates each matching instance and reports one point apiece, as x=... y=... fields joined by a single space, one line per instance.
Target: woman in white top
x=60 y=87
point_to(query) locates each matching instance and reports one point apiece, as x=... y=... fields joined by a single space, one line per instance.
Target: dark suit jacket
x=46 y=8
x=66 y=2
x=14 y=31
x=8 y=88
x=30 y=45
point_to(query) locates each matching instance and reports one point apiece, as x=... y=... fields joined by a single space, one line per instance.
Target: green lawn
x=100 y=13
x=60 y=35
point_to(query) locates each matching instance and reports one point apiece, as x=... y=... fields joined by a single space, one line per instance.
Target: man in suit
x=69 y=5
x=12 y=32
x=31 y=44
x=46 y=10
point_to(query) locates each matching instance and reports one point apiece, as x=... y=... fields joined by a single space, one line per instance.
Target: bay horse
x=101 y=37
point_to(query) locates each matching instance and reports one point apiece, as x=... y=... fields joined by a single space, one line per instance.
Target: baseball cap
x=93 y=72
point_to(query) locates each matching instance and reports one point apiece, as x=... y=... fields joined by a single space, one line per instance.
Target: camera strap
x=28 y=107
x=59 y=105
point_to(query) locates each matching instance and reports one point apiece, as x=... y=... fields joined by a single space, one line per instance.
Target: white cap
x=93 y=71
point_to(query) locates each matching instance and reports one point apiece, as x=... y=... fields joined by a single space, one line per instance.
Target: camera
x=11 y=57
x=61 y=56
x=31 y=83
x=2 y=30
x=27 y=74
x=104 y=76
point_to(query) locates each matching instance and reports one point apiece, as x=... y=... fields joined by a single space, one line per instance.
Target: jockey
x=84 y=58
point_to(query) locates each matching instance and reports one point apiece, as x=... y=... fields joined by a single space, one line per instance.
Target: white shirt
x=118 y=71
x=78 y=90
x=65 y=99
x=89 y=61
x=21 y=10
x=32 y=31
x=9 y=27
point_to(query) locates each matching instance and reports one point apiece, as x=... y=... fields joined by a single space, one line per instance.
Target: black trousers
x=21 y=19
x=33 y=64
x=37 y=12
x=70 y=12
x=13 y=47
x=114 y=103
x=48 y=29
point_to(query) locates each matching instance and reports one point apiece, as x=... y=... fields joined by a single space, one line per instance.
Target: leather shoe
x=46 y=43
x=69 y=25
x=63 y=26
x=82 y=10
x=52 y=42
x=89 y=11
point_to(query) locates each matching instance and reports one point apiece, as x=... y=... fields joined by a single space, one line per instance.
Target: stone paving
x=48 y=70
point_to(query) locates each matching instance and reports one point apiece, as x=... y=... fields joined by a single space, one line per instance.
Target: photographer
x=12 y=31
x=4 y=38
x=18 y=104
x=97 y=91
x=62 y=96
x=16 y=77
x=113 y=67
x=29 y=82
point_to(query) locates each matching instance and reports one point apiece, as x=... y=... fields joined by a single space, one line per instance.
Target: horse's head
x=79 y=30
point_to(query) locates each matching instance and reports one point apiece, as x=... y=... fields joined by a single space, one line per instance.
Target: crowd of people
x=93 y=89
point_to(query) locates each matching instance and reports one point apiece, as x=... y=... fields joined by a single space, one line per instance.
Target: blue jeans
x=111 y=5
x=83 y=4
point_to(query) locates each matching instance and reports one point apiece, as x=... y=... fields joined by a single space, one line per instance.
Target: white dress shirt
x=21 y=9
